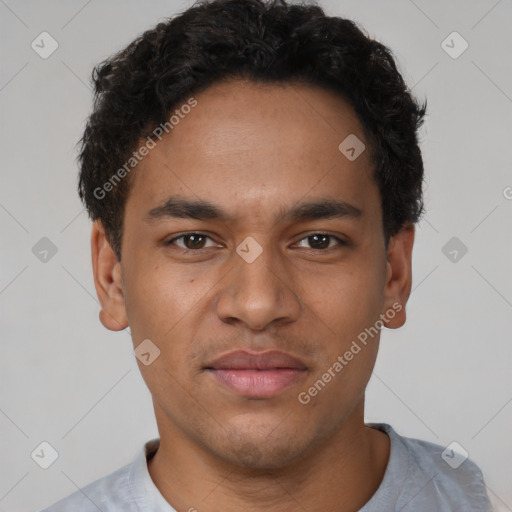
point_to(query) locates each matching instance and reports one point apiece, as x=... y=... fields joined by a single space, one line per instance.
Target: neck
x=340 y=475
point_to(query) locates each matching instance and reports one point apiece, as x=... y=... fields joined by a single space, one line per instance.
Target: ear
x=107 y=280
x=398 y=277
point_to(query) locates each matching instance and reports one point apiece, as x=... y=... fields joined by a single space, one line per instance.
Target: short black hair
x=271 y=41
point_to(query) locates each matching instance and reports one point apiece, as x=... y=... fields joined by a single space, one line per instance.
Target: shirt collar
x=144 y=491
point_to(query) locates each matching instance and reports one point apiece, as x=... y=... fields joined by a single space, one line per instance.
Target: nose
x=258 y=294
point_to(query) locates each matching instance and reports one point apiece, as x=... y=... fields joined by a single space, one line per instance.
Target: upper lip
x=245 y=360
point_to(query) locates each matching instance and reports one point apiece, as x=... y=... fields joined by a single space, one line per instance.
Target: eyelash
x=184 y=249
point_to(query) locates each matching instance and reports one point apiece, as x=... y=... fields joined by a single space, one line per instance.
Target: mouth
x=257 y=375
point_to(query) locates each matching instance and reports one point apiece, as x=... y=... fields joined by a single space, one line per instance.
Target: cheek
x=348 y=299
x=157 y=298
x=348 y=310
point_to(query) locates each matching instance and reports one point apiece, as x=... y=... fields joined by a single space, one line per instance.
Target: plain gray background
x=445 y=376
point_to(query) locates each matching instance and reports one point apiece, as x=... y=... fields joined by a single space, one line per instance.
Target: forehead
x=254 y=143
x=240 y=117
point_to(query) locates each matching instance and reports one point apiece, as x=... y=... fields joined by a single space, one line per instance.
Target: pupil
x=194 y=241
x=325 y=241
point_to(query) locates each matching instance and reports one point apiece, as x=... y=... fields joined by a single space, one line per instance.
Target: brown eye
x=322 y=241
x=190 y=241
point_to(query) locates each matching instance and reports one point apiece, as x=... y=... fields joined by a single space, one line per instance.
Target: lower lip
x=258 y=383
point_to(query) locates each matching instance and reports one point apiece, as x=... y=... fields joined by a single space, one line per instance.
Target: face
x=247 y=229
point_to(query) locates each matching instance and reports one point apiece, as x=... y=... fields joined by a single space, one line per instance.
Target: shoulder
x=109 y=493
x=445 y=474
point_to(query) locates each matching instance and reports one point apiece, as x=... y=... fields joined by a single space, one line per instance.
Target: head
x=253 y=173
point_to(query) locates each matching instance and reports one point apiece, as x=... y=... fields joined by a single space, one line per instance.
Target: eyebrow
x=175 y=207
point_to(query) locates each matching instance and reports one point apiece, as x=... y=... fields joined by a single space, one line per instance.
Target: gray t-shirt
x=417 y=479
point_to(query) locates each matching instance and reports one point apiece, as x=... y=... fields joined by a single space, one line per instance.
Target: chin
x=263 y=448
x=261 y=455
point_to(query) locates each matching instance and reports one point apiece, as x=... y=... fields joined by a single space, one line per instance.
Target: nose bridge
x=258 y=291
x=259 y=276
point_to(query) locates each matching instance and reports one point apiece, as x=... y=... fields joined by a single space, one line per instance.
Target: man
x=253 y=173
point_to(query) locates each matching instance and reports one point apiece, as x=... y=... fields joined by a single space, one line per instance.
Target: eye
x=319 y=241
x=191 y=241
x=197 y=241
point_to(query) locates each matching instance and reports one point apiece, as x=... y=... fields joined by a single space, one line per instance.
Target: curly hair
x=271 y=41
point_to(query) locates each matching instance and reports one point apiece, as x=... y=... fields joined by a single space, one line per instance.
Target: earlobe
x=107 y=280
x=399 y=277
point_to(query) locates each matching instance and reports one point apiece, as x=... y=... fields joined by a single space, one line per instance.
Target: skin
x=255 y=151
